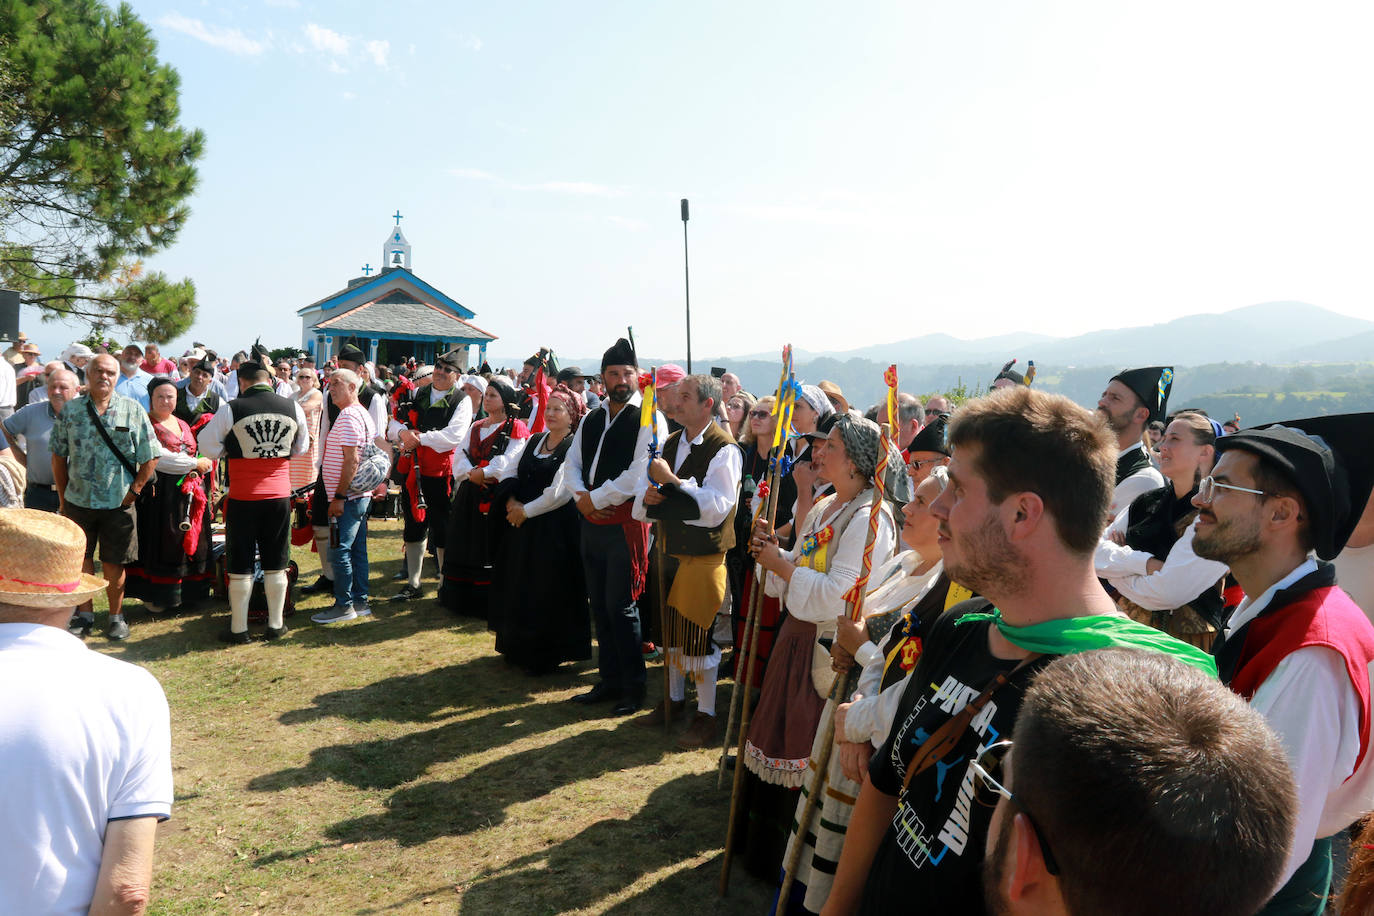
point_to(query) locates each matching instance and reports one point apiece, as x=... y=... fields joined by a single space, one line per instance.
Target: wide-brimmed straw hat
x=40 y=560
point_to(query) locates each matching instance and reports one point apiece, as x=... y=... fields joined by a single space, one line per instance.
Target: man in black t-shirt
x=1030 y=481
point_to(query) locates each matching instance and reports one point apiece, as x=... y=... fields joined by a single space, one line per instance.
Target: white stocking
x=706 y=690
x=240 y=591
x=322 y=545
x=274 y=584
x=415 y=559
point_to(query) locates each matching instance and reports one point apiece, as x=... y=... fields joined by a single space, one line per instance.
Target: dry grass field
x=397 y=765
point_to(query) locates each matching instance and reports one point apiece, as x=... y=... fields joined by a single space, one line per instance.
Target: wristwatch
x=341 y=496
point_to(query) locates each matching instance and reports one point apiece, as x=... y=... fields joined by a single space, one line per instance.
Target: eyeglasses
x=930 y=412
x=1207 y=489
x=917 y=465
x=759 y=414
x=987 y=789
x=440 y=367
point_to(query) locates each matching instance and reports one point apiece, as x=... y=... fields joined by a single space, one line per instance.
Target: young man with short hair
x=1029 y=485
x=1136 y=785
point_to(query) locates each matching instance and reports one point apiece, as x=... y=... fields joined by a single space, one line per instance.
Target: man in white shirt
x=85 y=739
x=1297 y=647
x=1131 y=400
x=691 y=492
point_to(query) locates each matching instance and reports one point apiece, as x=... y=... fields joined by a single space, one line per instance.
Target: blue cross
x=367 y=269
x=397 y=217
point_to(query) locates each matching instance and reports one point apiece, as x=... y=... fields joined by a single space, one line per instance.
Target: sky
x=857 y=172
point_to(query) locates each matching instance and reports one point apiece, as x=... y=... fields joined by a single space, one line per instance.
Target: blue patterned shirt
x=95 y=477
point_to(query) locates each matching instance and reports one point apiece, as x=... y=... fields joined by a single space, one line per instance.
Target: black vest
x=1129 y=463
x=618 y=448
x=264 y=425
x=208 y=404
x=424 y=416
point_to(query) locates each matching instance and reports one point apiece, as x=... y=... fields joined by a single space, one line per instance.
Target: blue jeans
x=350 y=557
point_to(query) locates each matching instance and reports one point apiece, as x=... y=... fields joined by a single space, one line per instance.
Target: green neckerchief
x=1099 y=631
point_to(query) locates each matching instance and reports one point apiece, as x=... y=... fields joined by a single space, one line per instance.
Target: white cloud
x=472 y=42
x=348 y=96
x=336 y=67
x=378 y=51
x=226 y=39
x=327 y=40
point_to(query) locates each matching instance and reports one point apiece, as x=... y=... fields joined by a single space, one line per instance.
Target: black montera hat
x=352 y=354
x=1151 y=385
x=1012 y=375
x=1330 y=462
x=933 y=437
x=622 y=354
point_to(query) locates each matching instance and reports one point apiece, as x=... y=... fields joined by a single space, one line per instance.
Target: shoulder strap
x=104 y=434
x=947 y=736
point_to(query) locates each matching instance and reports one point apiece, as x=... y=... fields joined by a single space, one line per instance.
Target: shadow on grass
x=480 y=798
x=437 y=694
x=678 y=821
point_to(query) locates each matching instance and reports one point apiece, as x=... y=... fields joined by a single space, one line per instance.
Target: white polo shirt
x=84 y=739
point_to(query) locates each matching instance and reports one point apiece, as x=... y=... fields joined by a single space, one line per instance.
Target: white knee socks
x=677 y=683
x=322 y=545
x=415 y=560
x=706 y=690
x=240 y=591
x=274 y=584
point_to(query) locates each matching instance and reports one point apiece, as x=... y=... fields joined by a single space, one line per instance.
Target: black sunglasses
x=987 y=790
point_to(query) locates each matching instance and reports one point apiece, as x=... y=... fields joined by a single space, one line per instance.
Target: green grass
x=397 y=765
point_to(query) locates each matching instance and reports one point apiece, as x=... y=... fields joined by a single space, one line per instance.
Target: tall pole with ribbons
x=765 y=506
x=844 y=681
x=648 y=416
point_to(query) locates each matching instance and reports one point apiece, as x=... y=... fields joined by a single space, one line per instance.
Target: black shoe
x=601 y=693
x=273 y=632
x=118 y=629
x=630 y=705
x=234 y=639
x=406 y=593
x=80 y=626
x=320 y=586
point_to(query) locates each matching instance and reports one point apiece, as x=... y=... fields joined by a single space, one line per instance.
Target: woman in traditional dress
x=1146 y=554
x=756 y=444
x=905 y=597
x=174 y=565
x=494 y=445
x=540 y=589
x=811 y=579
x=311 y=400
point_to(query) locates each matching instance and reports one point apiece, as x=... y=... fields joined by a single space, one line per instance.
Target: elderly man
x=349 y=434
x=691 y=493
x=1136 y=759
x=155 y=364
x=104 y=452
x=33 y=423
x=1297 y=647
x=258 y=431
x=39 y=393
x=85 y=739
x=77 y=356
x=133 y=381
x=910 y=417
x=937 y=405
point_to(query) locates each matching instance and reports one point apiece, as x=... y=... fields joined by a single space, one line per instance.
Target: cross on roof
x=367 y=269
x=397 y=217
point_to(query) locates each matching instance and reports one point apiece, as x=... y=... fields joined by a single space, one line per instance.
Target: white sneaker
x=362 y=609
x=334 y=615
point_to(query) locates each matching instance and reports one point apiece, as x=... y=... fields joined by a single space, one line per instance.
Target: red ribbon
x=65 y=588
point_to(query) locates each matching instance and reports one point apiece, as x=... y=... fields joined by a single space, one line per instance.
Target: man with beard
x=430 y=423
x=1131 y=400
x=608 y=455
x=1029 y=484
x=1140 y=786
x=1297 y=647
x=375 y=402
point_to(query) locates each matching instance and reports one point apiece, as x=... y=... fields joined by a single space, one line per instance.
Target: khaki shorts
x=115 y=530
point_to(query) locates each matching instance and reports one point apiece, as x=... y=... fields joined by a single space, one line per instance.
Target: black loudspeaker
x=9 y=315
x=684 y=209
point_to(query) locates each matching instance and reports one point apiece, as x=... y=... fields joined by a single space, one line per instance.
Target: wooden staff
x=740 y=698
x=854 y=598
x=663 y=623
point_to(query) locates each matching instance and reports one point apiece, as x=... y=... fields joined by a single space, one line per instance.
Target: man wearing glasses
x=1298 y=648
x=1029 y=485
x=430 y=423
x=1141 y=786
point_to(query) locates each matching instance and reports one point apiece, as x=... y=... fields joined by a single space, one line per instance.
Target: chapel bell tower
x=396 y=250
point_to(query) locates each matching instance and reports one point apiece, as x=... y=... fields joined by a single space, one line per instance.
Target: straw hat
x=40 y=560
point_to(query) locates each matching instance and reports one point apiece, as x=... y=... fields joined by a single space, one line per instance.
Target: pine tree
x=94 y=168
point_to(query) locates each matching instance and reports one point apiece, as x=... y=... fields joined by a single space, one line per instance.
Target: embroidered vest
x=259 y=445
x=433 y=415
x=692 y=540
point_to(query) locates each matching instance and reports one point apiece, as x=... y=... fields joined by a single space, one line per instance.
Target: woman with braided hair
x=543 y=619
x=494 y=444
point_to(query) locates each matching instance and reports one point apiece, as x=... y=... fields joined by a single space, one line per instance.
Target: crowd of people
x=1009 y=655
